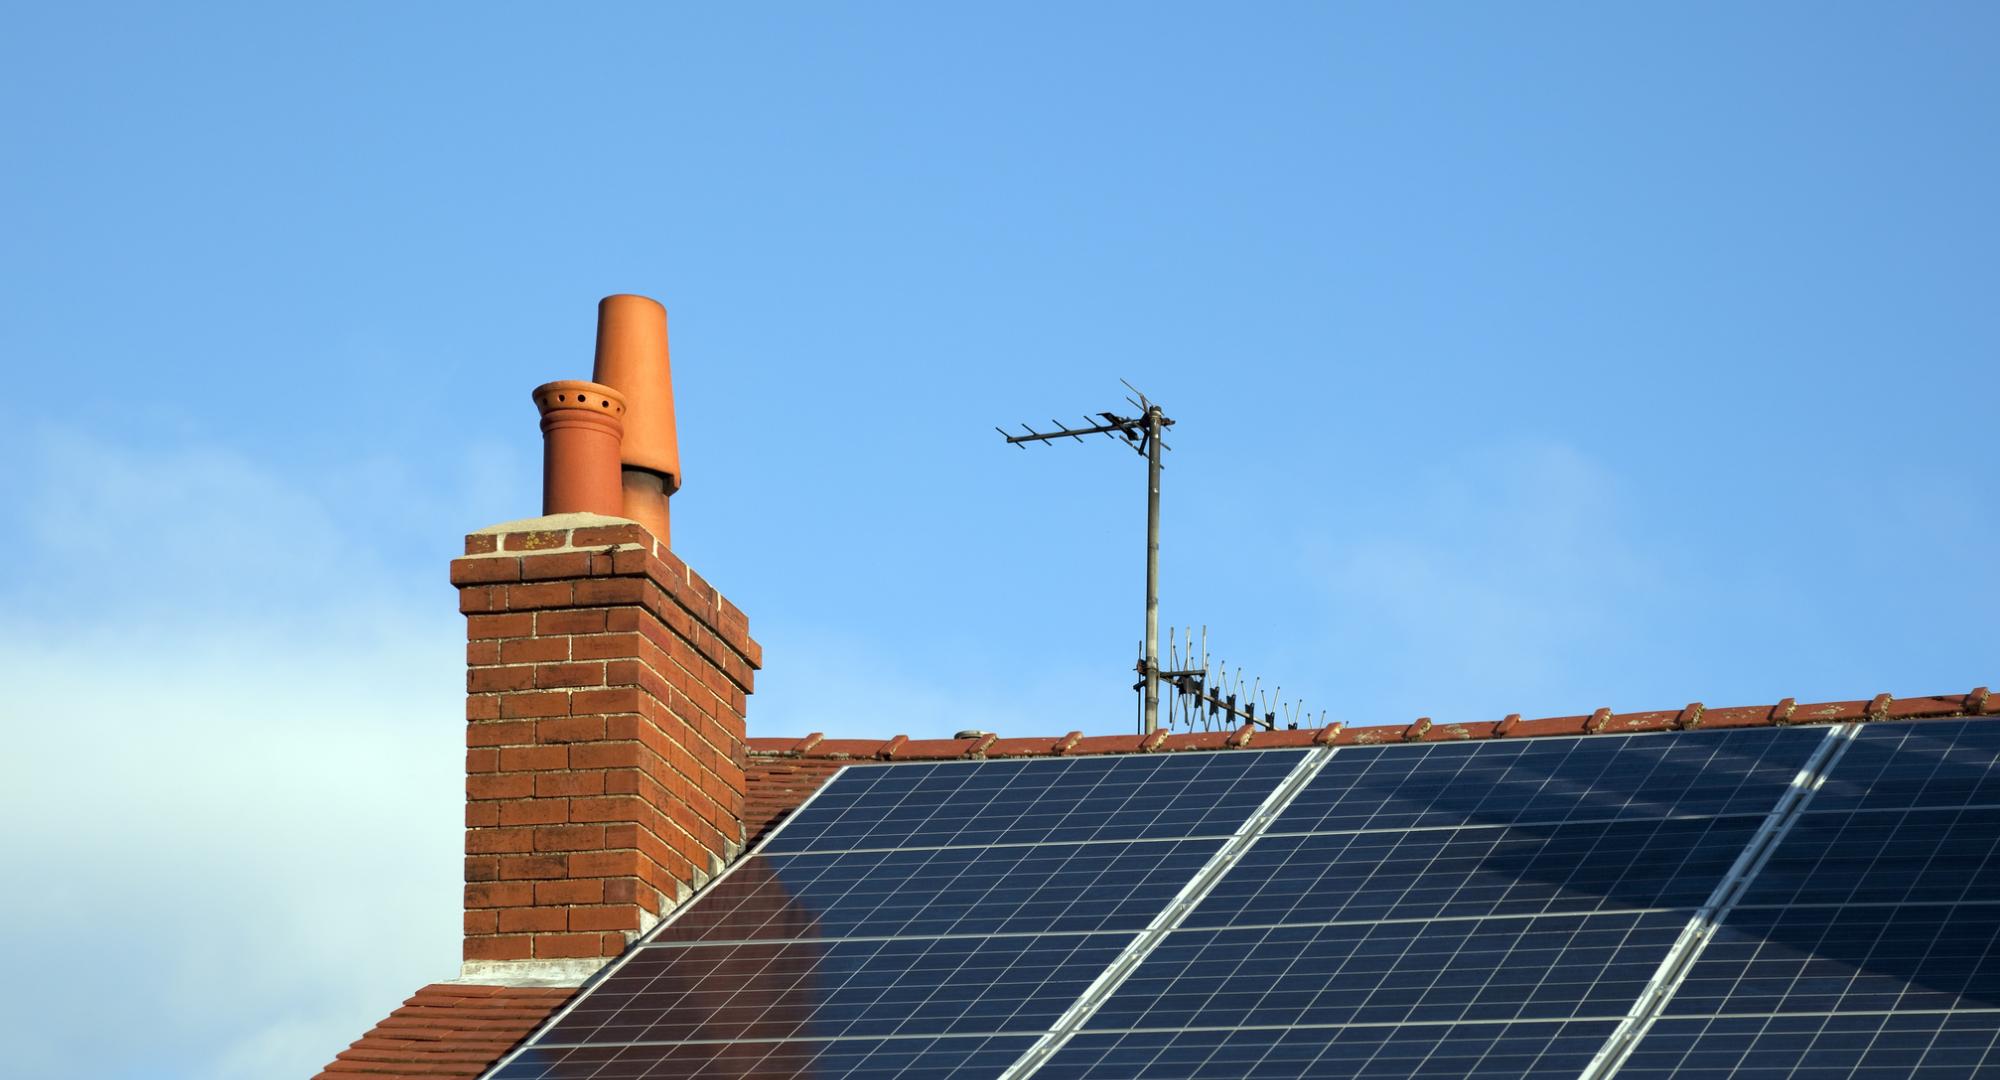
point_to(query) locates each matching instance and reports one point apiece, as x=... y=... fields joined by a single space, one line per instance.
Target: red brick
x=567 y=838
x=589 y=891
x=549 y=676
x=500 y=786
x=558 y=565
x=545 y=594
x=532 y=758
x=567 y=946
x=481 y=922
x=482 y=868
x=623 y=699
x=616 y=917
x=499 y=948
x=534 y=812
x=482 y=761
x=620 y=755
x=605 y=646
x=478 y=598
x=603 y=591
x=490 y=680
x=608 y=808
x=569 y=729
x=482 y=707
x=480 y=815
x=479 y=653
x=500 y=733
x=535 y=704
x=485 y=571
x=482 y=627
x=481 y=543
x=499 y=841
x=598 y=536
x=532 y=867
x=530 y=919
x=497 y=894
x=585 y=864
x=569 y=784
x=534 y=650
x=570 y=622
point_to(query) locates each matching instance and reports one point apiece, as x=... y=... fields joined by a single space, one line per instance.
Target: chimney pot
x=582 y=426
x=632 y=358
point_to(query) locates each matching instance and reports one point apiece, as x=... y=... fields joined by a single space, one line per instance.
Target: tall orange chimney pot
x=582 y=426
x=632 y=359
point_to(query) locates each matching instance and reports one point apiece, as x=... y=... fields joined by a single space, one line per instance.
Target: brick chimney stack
x=606 y=686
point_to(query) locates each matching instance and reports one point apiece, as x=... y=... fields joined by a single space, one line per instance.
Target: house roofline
x=817 y=747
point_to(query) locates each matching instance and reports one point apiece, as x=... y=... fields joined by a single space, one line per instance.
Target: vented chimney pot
x=582 y=427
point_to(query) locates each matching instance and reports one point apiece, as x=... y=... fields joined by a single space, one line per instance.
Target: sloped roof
x=1602 y=721
x=453 y=1030
x=447 y=1030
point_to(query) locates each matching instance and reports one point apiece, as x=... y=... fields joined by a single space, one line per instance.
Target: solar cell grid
x=845 y=987
x=1945 y=763
x=1514 y=1051
x=1526 y=869
x=1038 y=800
x=1897 y=1046
x=1551 y=967
x=1883 y=857
x=1831 y=959
x=1046 y=887
x=951 y=1058
x=1551 y=780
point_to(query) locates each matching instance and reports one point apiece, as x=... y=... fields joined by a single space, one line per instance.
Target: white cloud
x=235 y=787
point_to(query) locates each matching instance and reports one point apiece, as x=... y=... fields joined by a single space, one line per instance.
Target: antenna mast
x=1141 y=433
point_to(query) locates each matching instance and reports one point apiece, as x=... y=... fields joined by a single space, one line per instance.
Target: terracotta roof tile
x=1602 y=721
x=447 y=1030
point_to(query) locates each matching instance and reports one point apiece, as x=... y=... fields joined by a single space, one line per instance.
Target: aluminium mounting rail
x=1701 y=927
x=1071 y=1022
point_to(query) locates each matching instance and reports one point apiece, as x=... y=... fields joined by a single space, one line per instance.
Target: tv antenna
x=1142 y=434
x=1211 y=696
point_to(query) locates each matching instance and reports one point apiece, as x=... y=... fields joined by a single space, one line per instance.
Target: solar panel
x=1414 y=902
x=1390 y=1052
x=1492 y=908
x=847 y=987
x=948 y=1058
x=1546 y=968
x=1490 y=870
x=1031 y=888
x=1892 y=1046
x=1840 y=959
x=912 y=921
x=1503 y=782
x=1953 y=763
x=1869 y=942
x=1036 y=801
x=1884 y=856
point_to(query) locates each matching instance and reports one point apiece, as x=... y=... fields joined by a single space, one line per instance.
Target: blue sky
x=1526 y=358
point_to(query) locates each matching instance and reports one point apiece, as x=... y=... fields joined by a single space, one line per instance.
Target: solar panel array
x=1450 y=909
x=1494 y=909
x=1869 y=944
x=912 y=921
